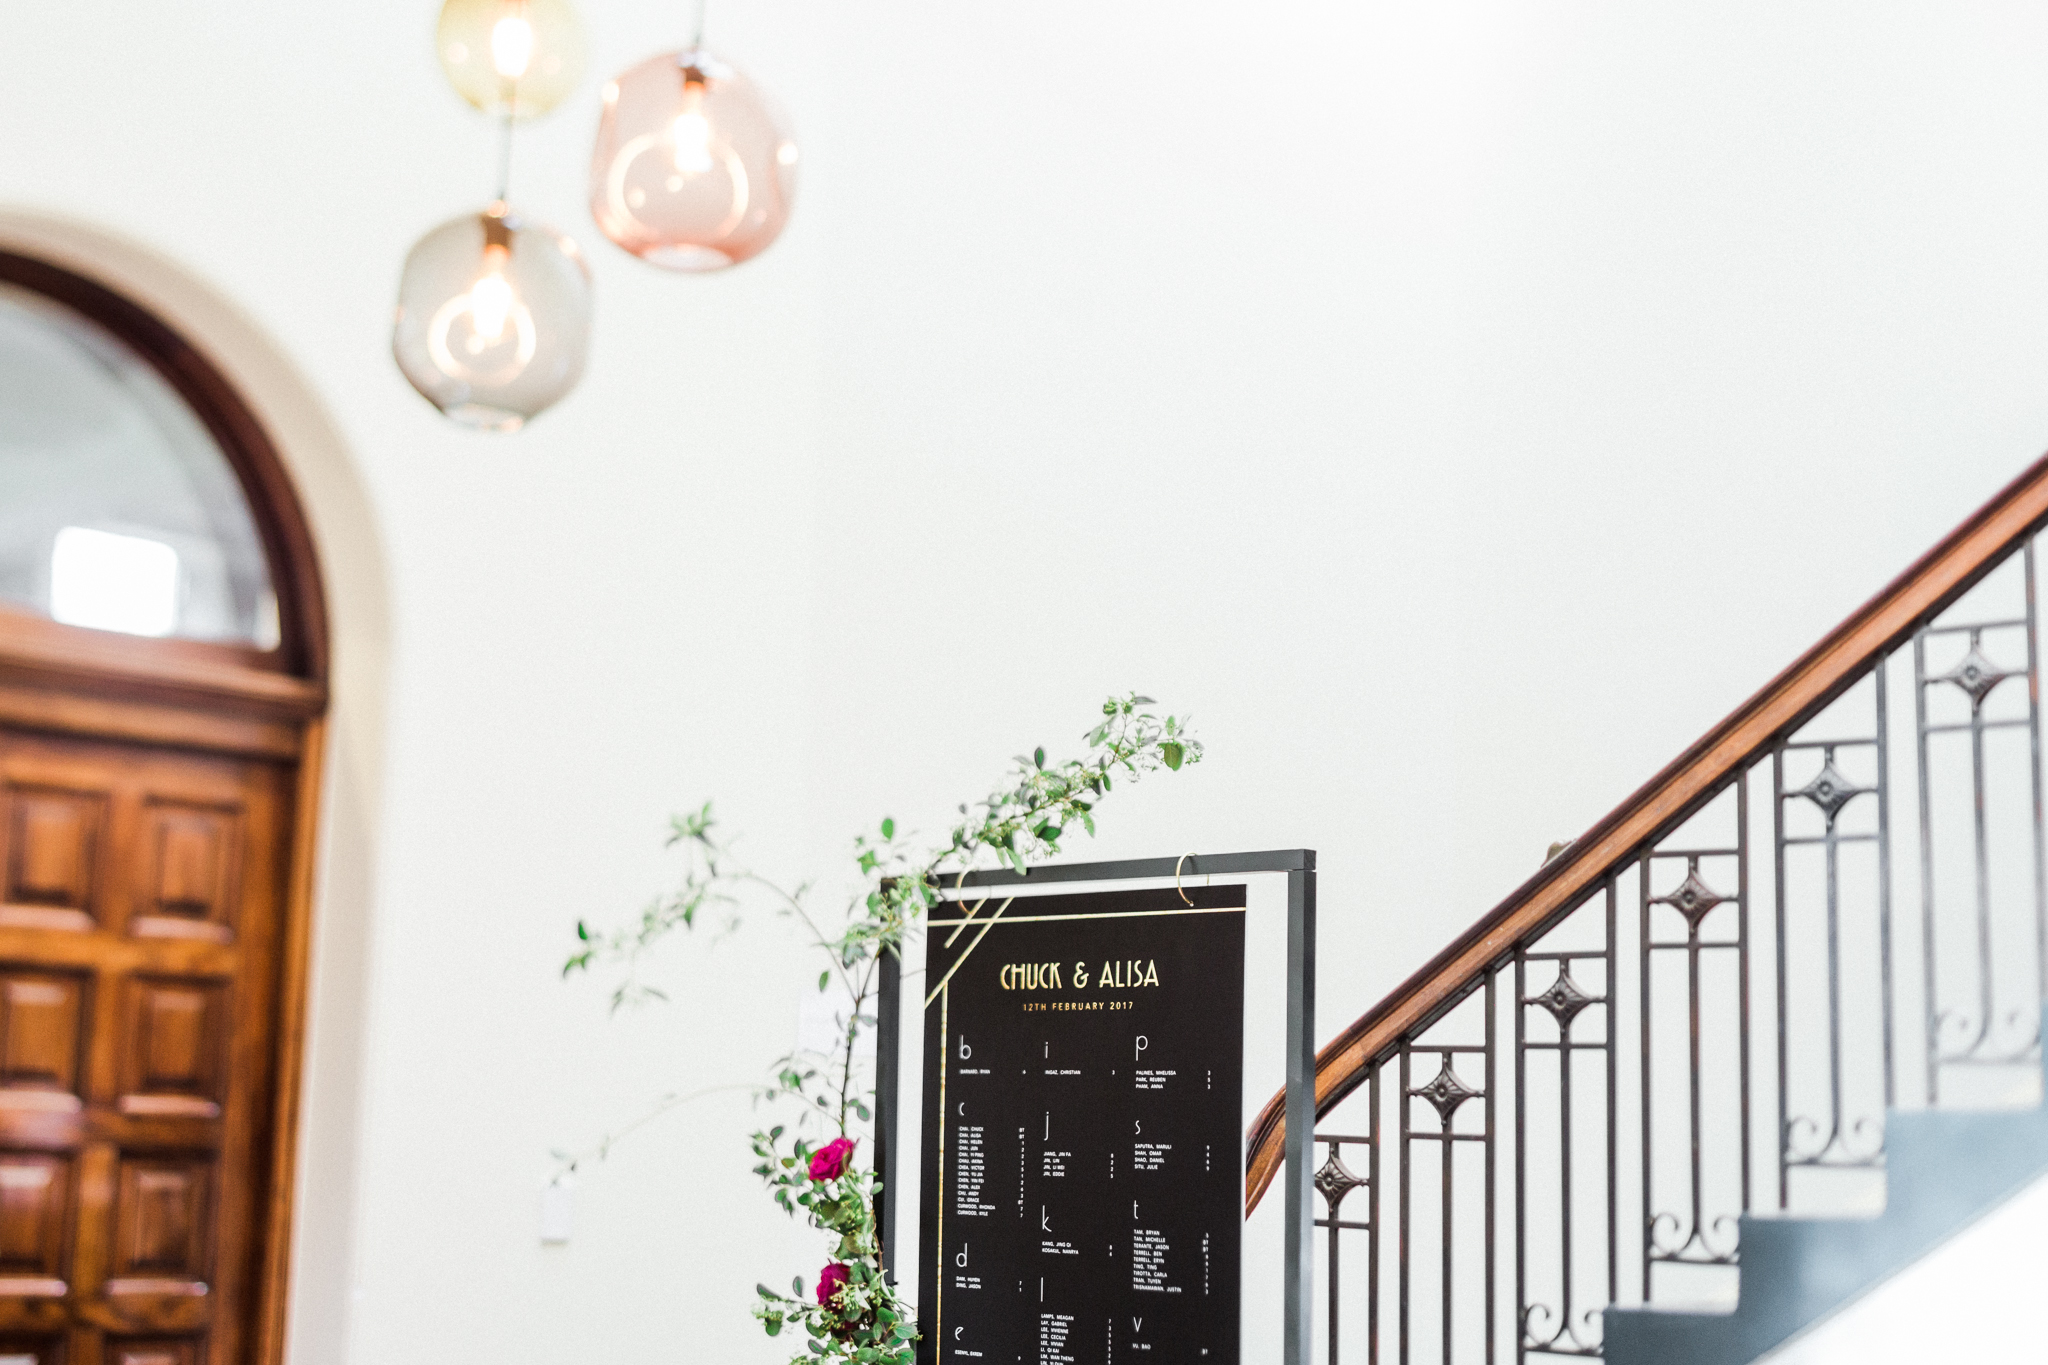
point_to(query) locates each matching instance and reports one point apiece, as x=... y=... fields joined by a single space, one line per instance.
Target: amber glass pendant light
x=693 y=169
x=493 y=318
x=524 y=56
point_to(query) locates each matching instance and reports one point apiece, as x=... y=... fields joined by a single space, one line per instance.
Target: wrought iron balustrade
x=1832 y=907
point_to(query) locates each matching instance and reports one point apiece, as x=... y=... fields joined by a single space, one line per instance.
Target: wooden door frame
x=215 y=698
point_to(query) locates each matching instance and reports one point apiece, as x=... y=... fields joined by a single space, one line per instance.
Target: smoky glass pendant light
x=493 y=322
x=694 y=170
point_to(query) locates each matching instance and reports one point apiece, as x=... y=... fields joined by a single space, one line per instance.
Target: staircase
x=1943 y=1171
x=1757 y=1041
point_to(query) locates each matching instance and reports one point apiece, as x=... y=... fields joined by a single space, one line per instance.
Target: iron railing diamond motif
x=1334 y=1180
x=1563 y=999
x=1445 y=1091
x=1829 y=789
x=1976 y=674
x=1694 y=898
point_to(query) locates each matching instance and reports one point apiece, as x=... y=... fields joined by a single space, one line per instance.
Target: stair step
x=1944 y=1171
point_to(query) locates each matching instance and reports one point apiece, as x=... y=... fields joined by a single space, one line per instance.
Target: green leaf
x=1038 y=757
x=824 y=979
x=1142 y=701
x=765 y=1292
x=796 y=1286
x=582 y=932
x=888 y=828
x=1172 y=753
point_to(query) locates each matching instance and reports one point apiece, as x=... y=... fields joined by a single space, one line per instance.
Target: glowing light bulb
x=490 y=301
x=512 y=46
x=521 y=56
x=691 y=133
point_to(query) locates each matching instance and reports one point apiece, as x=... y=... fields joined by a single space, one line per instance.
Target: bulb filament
x=490 y=301
x=692 y=135
x=691 y=131
x=512 y=45
x=485 y=335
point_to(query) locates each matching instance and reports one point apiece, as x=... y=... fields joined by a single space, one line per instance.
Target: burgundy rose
x=829 y=1162
x=832 y=1278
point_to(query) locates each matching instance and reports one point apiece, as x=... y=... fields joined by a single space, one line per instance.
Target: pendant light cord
x=505 y=129
x=505 y=153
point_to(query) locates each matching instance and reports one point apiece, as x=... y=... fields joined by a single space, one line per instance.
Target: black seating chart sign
x=1082 y=1181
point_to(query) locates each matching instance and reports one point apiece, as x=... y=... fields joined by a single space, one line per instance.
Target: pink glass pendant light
x=493 y=321
x=693 y=170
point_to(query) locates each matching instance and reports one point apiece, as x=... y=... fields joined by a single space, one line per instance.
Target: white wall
x=1458 y=407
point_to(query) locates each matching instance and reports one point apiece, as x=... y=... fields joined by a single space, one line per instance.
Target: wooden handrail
x=1934 y=581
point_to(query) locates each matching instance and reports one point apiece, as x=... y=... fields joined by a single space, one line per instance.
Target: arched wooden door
x=162 y=688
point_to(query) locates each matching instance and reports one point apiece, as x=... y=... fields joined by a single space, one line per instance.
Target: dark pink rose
x=829 y=1162
x=833 y=1277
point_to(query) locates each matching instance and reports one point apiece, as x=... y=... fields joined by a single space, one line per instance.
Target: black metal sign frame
x=1295 y=1185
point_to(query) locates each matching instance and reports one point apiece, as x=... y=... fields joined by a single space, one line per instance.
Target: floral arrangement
x=855 y=1316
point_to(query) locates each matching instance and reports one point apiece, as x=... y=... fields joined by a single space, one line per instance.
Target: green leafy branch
x=858 y=1316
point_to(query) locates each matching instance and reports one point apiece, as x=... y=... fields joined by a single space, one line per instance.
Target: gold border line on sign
x=986 y=925
x=1100 y=914
x=972 y=910
x=939 y=1228
x=944 y=996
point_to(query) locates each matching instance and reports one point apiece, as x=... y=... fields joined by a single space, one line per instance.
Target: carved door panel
x=139 y=909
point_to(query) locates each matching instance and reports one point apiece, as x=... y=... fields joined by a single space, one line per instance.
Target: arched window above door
x=118 y=508
x=140 y=496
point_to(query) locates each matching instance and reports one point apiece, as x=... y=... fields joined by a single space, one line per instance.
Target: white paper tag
x=557 y=1208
